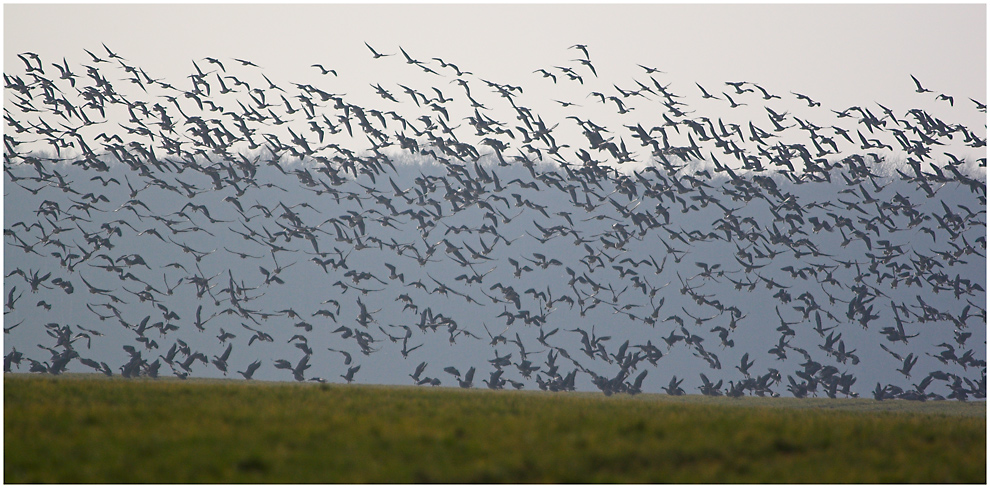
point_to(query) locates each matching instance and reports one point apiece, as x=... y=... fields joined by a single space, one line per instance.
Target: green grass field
x=82 y=429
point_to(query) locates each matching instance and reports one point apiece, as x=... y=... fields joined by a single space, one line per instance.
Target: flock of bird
x=231 y=223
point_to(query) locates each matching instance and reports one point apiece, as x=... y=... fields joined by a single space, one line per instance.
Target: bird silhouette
x=341 y=184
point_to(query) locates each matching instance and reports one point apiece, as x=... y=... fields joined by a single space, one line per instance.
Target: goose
x=374 y=53
x=349 y=376
x=745 y=364
x=324 y=71
x=732 y=102
x=918 y=87
x=704 y=93
x=547 y=74
x=811 y=103
x=468 y=380
x=418 y=372
x=674 y=387
x=909 y=363
x=251 y=368
x=738 y=86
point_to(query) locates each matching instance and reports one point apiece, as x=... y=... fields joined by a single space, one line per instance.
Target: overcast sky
x=841 y=53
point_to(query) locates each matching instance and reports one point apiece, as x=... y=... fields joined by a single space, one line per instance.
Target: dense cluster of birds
x=171 y=224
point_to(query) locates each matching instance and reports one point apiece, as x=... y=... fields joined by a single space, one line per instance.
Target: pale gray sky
x=840 y=54
x=843 y=53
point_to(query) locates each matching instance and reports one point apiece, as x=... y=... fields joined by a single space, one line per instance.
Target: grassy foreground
x=93 y=430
